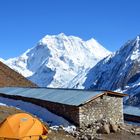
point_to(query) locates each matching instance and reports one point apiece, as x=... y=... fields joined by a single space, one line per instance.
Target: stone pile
x=135 y=130
x=94 y=130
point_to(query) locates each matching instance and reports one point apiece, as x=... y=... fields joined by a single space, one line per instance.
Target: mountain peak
x=61 y=34
x=57 y=59
x=131 y=47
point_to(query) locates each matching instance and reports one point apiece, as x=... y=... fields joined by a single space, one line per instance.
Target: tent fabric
x=22 y=126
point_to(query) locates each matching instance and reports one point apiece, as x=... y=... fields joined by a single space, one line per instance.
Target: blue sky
x=24 y=22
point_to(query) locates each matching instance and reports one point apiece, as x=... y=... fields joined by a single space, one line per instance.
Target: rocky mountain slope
x=56 y=60
x=119 y=71
x=9 y=77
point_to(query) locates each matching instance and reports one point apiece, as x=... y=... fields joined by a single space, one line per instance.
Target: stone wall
x=104 y=107
x=69 y=112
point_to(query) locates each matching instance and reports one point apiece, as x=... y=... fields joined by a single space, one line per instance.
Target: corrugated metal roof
x=63 y=96
x=132 y=110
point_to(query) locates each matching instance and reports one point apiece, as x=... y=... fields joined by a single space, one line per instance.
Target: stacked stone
x=105 y=107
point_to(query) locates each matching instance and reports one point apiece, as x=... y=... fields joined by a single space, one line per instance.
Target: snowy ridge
x=57 y=59
x=119 y=71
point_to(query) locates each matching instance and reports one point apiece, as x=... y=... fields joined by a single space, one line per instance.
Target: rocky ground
x=106 y=130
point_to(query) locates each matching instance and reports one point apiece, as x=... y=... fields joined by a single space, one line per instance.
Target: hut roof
x=73 y=97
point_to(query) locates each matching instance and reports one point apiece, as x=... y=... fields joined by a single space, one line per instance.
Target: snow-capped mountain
x=57 y=59
x=119 y=71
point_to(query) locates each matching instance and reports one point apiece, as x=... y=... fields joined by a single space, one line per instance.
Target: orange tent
x=22 y=126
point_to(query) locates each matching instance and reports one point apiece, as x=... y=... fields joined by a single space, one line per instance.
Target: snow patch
x=53 y=120
x=2 y=104
x=135 y=55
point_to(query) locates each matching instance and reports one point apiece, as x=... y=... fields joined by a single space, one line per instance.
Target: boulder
x=137 y=131
x=105 y=129
x=113 y=127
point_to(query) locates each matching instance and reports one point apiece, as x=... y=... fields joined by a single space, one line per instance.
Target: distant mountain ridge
x=119 y=71
x=57 y=60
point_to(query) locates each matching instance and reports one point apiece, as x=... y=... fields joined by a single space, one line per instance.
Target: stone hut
x=82 y=107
